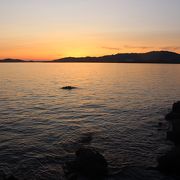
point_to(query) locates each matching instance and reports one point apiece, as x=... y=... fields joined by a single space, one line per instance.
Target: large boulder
x=89 y=164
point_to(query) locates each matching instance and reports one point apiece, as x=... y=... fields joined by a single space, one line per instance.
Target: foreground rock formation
x=170 y=163
x=88 y=164
x=91 y=165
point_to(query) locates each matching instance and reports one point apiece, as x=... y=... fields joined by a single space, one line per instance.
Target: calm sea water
x=119 y=105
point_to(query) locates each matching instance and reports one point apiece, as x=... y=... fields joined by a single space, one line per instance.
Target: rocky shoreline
x=89 y=164
x=170 y=163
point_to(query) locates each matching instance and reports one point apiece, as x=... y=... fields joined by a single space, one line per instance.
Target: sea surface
x=120 y=106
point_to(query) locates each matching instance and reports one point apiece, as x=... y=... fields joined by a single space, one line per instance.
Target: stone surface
x=88 y=164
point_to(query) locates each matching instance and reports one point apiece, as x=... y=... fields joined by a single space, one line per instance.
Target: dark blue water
x=119 y=105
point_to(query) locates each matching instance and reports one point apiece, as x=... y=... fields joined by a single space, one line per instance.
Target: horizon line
x=39 y=60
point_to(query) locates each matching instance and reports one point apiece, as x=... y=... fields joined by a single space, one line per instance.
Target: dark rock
x=171 y=136
x=170 y=163
x=91 y=163
x=174 y=134
x=68 y=87
x=175 y=113
x=88 y=163
x=172 y=115
x=176 y=107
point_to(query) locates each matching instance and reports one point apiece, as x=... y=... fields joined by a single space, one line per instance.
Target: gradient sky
x=50 y=29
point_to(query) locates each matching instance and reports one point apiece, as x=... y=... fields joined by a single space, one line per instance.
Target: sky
x=52 y=29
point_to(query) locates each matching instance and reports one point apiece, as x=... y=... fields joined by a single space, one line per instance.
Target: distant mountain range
x=149 y=57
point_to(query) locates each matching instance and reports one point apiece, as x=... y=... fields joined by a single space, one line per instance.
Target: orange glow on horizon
x=76 y=52
x=55 y=46
x=48 y=30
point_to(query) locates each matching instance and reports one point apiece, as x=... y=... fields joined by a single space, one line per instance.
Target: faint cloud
x=143 y=48
x=174 y=48
x=111 y=48
x=138 y=47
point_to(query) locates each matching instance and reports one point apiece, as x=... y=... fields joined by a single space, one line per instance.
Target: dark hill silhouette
x=11 y=60
x=149 y=57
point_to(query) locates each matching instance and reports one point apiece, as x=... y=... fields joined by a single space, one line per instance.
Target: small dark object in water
x=68 y=87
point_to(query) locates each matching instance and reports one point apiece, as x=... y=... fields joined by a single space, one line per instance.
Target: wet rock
x=11 y=178
x=170 y=163
x=176 y=107
x=175 y=113
x=69 y=87
x=88 y=164
x=91 y=163
x=174 y=134
x=172 y=115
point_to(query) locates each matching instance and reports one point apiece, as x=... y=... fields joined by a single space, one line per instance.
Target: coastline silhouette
x=149 y=57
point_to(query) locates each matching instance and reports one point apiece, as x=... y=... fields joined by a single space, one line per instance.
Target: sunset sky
x=51 y=29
